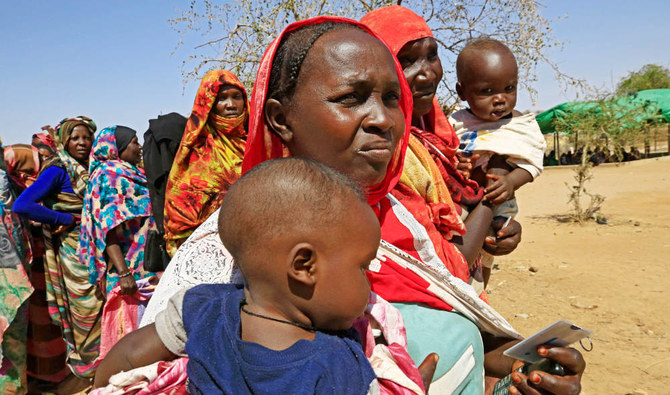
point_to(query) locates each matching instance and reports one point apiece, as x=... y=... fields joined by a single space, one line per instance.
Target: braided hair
x=291 y=54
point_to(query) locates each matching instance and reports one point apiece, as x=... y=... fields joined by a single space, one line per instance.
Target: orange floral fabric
x=207 y=163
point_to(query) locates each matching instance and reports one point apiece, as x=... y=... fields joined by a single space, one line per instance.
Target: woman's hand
x=128 y=285
x=116 y=259
x=101 y=289
x=63 y=228
x=506 y=239
x=540 y=382
x=427 y=369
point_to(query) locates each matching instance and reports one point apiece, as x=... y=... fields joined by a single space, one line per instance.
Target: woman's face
x=229 y=102
x=132 y=153
x=345 y=111
x=79 y=144
x=423 y=70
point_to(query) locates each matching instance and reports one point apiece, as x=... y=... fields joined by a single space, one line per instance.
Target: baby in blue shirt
x=303 y=236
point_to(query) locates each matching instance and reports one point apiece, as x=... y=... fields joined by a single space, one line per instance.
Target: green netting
x=660 y=98
x=656 y=103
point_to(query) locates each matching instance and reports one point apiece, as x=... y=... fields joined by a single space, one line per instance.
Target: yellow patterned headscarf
x=77 y=172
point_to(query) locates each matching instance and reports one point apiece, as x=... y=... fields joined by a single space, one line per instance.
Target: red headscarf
x=398 y=26
x=45 y=139
x=262 y=144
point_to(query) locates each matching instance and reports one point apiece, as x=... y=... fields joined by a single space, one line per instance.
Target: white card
x=561 y=333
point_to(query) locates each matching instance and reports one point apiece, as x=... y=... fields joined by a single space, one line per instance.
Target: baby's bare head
x=487 y=78
x=290 y=196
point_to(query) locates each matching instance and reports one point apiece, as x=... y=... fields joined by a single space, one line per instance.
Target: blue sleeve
x=27 y=204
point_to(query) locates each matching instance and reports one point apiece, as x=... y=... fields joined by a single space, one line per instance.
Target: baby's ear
x=275 y=117
x=302 y=264
x=459 y=91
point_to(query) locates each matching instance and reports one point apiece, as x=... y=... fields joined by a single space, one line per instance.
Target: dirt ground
x=609 y=278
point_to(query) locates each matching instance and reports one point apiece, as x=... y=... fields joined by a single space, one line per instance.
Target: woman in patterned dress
x=72 y=301
x=209 y=158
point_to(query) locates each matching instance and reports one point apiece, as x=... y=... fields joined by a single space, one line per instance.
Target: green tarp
x=660 y=98
x=657 y=110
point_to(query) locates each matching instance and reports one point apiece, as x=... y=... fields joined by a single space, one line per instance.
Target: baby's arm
x=501 y=188
x=163 y=340
x=139 y=348
x=503 y=179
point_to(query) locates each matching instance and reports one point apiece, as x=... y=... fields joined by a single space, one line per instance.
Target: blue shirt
x=221 y=362
x=51 y=181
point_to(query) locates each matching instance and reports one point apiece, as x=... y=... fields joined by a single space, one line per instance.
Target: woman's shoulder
x=52 y=179
x=53 y=170
x=202 y=259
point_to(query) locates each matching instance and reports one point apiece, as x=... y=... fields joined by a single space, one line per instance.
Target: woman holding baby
x=317 y=96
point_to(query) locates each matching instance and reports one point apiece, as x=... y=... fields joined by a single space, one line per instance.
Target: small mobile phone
x=545 y=365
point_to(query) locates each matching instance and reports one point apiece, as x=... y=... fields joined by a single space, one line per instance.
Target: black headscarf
x=123 y=136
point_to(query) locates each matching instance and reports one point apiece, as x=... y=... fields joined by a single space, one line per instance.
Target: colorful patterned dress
x=15 y=289
x=207 y=163
x=71 y=299
x=117 y=195
x=46 y=351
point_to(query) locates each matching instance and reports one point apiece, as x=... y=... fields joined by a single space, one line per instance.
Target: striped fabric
x=46 y=348
x=72 y=301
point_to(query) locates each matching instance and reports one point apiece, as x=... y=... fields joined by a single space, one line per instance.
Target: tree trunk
x=647 y=148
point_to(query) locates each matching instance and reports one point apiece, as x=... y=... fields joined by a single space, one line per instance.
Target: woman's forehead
x=428 y=42
x=348 y=52
x=228 y=87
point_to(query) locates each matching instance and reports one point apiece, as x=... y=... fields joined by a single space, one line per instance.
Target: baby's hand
x=465 y=164
x=499 y=191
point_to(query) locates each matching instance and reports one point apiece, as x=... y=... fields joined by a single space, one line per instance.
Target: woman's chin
x=370 y=178
x=422 y=107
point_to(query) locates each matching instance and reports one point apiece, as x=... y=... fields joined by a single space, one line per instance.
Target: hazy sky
x=114 y=61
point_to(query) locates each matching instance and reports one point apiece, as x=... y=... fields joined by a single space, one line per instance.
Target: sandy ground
x=609 y=278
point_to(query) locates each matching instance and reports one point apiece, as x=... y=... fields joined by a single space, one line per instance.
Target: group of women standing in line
x=95 y=196
x=85 y=198
x=316 y=96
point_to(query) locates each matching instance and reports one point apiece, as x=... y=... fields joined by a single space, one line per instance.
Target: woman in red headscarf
x=315 y=96
x=209 y=156
x=411 y=40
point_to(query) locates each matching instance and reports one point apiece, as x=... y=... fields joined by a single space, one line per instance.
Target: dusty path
x=610 y=278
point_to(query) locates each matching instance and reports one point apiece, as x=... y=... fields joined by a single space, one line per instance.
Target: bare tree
x=233 y=34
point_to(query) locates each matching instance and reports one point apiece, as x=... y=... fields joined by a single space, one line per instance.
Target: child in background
x=303 y=236
x=510 y=145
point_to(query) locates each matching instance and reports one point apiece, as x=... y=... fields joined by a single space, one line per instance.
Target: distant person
x=116 y=217
x=15 y=287
x=60 y=187
x=209 y=158
x=550 y=160
x=289 y=329
x=634 y=153
x=491 y=128
x=597 y=157
x=161 y=143
x=116 y=220
x=44 y=144
x=46 y=350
